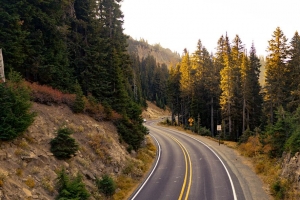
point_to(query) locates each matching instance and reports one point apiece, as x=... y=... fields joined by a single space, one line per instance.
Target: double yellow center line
x=185 y=190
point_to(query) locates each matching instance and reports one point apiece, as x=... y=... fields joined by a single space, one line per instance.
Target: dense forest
x=80 y=45
x=74 y=46
x=224 y=89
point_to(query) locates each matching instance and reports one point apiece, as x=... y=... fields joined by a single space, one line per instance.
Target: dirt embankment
x=153 y=112
x=28 y=168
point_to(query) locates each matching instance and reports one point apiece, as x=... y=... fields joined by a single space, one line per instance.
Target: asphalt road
x=188 y=168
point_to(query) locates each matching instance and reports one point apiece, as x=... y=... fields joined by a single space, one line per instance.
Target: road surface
x=188 y=168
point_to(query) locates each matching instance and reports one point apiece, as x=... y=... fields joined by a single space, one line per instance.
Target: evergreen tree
x=276 y=89
x=294 y=67
x=254 y=113
x=174 y=97
x=227 y=87
x=15 y=115
x=185 y=87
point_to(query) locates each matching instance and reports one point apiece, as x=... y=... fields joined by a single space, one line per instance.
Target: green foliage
x=293 y=143
x=79 y=103
x=246 y=134
x=15 y=115
x=203 y=131
x=131 y=132
x=63 y=146
x=106 y=185
x=107 y=110
x=278 y=189
x=71 y=188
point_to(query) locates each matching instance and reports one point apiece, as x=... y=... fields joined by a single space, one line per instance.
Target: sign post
x=2 y=75
x=219 y=129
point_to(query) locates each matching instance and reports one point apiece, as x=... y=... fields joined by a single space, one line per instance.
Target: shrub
x=204 y=131
x=71 y=188
x=63 y=146
x=293 y=143
x=30 y=182
x=132 y=133
x=279 y=189
x=15 y=115
x=106 y=185
x=79 y=102
x=47 y=95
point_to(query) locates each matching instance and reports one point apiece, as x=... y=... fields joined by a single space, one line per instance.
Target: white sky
x=178 y=24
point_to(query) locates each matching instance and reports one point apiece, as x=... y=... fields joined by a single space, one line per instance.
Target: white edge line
x=231 y=182
x=159 y=150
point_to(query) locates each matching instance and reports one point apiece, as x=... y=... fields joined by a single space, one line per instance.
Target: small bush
x=79 y=102
x=279 y=189
x=71 y=187
x=48 y=185
x=106 y=185
x=204 y=131
x=63 y=146
x=19 y=172
x=244 y=137
x=30 y=182
x=47 y=95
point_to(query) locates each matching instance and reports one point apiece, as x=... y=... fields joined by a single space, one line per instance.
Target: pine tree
x=174 y=96
x=254 y=113
x=276 y=89
x=294 y=67
x=185 y=87
x=227 y=86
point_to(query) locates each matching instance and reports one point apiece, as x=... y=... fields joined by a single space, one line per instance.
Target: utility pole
x=2 y=75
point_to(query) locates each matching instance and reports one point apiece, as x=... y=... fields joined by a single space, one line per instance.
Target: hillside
x=28 y=170
x=143 y=49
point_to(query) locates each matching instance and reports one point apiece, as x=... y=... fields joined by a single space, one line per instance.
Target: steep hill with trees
x=143 y=49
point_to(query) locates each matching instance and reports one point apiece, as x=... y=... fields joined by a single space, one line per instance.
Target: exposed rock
x=89 y=175
x=28 y=158
x=291 y=168
x=27 y=192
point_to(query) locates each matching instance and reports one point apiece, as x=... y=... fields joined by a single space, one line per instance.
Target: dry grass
x=125 y=185
x=101 y=145
x=134 y=170
x=48 y=185
x=19 y=172
x=3 y=176
x=30 y=182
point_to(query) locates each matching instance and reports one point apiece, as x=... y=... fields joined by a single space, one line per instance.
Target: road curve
x=181 y=158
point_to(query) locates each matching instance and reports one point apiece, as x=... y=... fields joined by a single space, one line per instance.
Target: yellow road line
x=186 y=157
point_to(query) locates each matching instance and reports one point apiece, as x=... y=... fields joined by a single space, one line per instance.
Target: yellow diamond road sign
x=191 y=121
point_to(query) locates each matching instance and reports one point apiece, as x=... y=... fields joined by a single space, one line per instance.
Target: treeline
x=224 y=88
x=143 y=49
x=151 y=80
x=62 y=43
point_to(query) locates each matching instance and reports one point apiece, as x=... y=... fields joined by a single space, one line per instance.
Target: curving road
x=187 y=168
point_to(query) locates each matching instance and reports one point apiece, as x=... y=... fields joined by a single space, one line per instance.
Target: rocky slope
x=28 y=168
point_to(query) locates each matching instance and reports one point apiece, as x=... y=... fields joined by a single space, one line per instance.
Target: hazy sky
x=179 y=24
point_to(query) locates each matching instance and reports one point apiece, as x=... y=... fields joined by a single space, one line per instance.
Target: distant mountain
x=162 y=55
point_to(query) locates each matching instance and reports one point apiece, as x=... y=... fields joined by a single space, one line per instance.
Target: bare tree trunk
x=212 y=116
x=244 y=114
x=2 y=75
